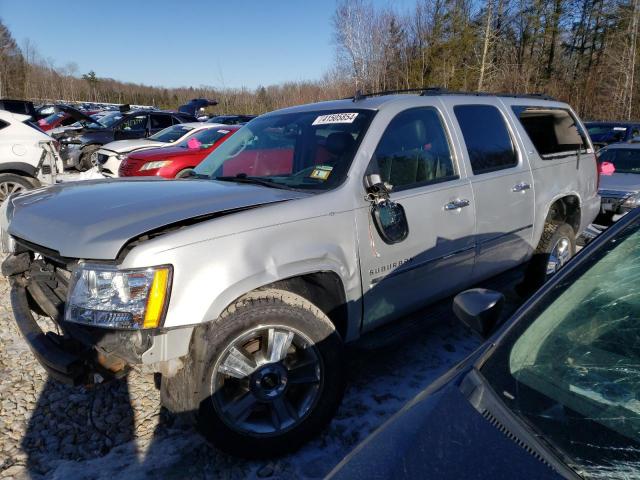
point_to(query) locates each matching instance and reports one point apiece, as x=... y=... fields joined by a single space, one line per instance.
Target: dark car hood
x=624 y=182
x=441 y=436
x=95 y=219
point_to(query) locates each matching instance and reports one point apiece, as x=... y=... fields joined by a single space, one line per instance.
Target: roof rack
x=428 y=91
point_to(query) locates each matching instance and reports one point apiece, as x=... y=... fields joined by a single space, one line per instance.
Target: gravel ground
x=118 y=430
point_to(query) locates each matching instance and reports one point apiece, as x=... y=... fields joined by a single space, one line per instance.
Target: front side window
x=413 y=151
x=305 y=150
x=554 y=132
x=171 y=134
x=625 y=160
x=134 y=124
x=487 y=139
x=572 y=372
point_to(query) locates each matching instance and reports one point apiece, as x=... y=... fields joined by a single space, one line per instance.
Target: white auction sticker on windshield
x=335 y=118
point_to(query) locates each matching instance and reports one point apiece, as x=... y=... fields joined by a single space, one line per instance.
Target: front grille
x=127 y=168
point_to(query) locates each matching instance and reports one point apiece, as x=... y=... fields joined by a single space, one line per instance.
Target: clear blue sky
x=173 y=43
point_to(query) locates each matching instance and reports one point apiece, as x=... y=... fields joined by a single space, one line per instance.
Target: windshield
x=171 y=134
x=307 y=150
x=571 y=368
x=605 y=133
x=625 y=160
x=204 y=138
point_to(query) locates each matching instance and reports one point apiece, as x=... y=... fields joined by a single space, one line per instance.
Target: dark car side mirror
x=479 y=309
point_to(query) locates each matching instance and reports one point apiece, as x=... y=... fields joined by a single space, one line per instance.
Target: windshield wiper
x=243 y=178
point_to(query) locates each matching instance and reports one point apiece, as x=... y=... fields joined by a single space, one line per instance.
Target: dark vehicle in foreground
x=554 y=393
x=231 y=119
x=606 y=133
x=178 y=160
x=619 y=166
x=77 y=146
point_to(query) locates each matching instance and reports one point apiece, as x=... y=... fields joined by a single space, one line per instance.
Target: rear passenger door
x=414 y=155
x=502 y=188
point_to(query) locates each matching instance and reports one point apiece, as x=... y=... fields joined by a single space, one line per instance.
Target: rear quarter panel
x=556 y=178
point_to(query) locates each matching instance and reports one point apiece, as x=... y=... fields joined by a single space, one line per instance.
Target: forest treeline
x=580 y=51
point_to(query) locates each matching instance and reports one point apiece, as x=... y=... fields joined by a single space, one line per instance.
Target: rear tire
x=556 y=247
x=85 y=162
x=272 y=374
x=13 y=183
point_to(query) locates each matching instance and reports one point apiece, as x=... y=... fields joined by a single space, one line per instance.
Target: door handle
x=520 y=187
x=456 y=204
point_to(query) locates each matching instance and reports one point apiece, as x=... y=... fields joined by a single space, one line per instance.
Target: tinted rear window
x=487 y=138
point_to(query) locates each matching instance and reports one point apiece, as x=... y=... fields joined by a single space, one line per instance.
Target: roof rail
x=428 y=91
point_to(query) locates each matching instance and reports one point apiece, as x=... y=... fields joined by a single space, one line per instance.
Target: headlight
x=632 y=201
x=154 y=165
x=104 y=296
x=121 y=156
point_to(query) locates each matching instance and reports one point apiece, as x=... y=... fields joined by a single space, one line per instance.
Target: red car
x=174 y=161
x=58 y=119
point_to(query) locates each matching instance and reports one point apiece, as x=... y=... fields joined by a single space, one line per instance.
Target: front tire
x=556 y=247
x=273 y=375
x=85 y=162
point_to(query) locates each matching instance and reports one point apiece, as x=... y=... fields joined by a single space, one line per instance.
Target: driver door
x=415 y=157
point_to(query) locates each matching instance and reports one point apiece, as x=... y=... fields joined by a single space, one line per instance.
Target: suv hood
x=123 y=146
x=95 y=219
x=623 y=182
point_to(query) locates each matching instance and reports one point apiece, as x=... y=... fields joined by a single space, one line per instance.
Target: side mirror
x=388 y=216
x=479 y=309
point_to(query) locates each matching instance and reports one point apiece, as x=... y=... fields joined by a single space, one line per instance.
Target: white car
x=109 y=157
x=28 y=156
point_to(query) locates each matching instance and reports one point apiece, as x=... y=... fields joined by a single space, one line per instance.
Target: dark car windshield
x=571 y=367
x=204 y=138
x=625 y=160
x=171 y=134
x=109 y=119
x=308 y=150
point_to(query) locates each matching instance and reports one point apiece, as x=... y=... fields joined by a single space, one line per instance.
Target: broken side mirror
x=388 y=216
x=479 y=309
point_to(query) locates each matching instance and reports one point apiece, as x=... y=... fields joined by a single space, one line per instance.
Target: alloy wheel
x=267 y=380
x=7 y=188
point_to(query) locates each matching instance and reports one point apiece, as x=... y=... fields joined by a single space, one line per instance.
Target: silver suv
x=311 y=226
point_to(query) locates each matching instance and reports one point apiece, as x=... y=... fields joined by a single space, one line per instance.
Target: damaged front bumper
x=74 y=354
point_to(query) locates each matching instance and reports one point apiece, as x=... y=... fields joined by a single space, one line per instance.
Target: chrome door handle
x=456 y=204
x=520 y=187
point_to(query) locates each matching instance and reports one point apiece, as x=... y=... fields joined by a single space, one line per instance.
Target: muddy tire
x=85 y=162
x=556 y=247
x=12 y=183
x=268 y=374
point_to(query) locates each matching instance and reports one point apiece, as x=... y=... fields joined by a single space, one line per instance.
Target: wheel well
x=324 y=290
x=566 y=209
